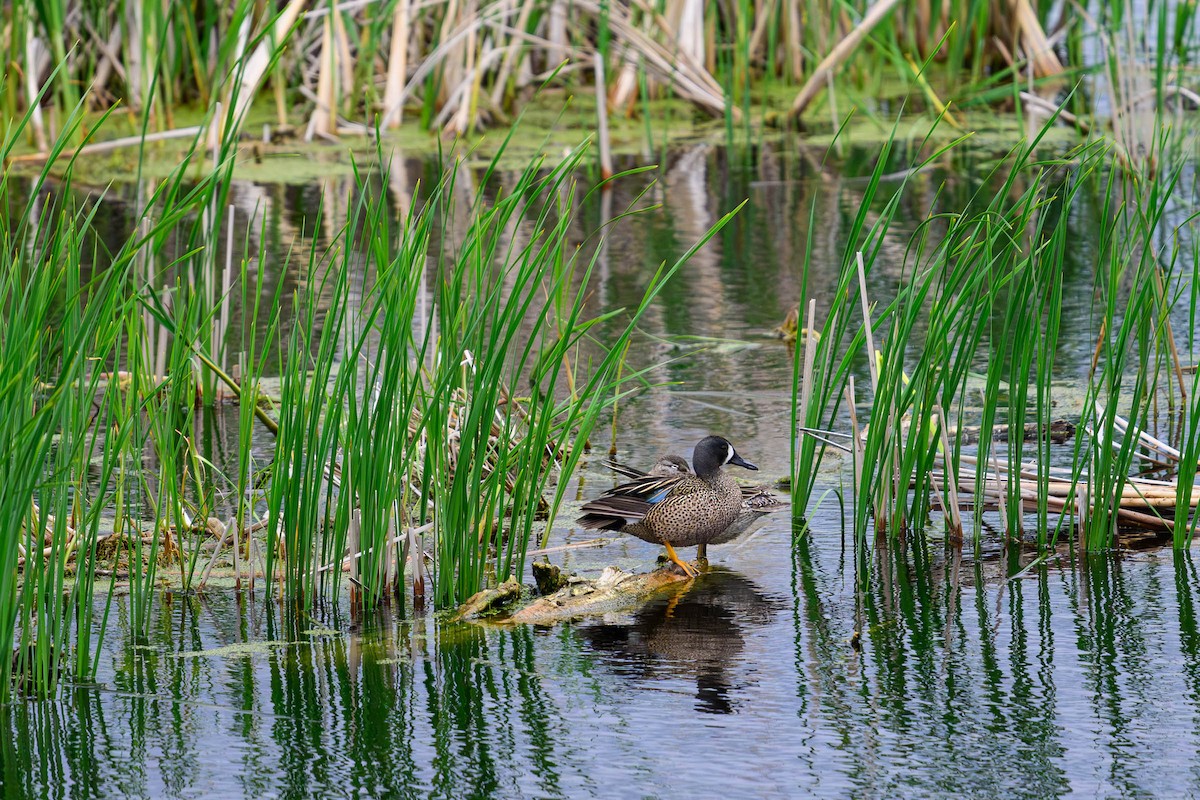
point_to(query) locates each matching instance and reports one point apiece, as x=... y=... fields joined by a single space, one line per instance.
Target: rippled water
x=1081 y=677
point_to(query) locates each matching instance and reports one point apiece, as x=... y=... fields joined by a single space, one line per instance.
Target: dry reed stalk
x=896 y=491
x=512 y=53
x=954 y=518
x=794 y=36
x=924 y=17
x=1035 y=43
x=36 y=122
x=1135 y=487
x=857 y=442
x=109 y=62
x=866 y=312
x=810 y=348
x=691 y=80
x=556 y=34
x=112 y=144
x=687 y=25
x=450 y=37
x=1001 y=490
x=764 y=11
x=133 y=56
x=840 y=53
x=625 y=87
x=606 y=167
x=415 y=547
x=345 y=60
x=1170 y=335
x=1060 y=505
x=322 y=123
x=1062 y=491
x=942 y=109
x=466 y=117
x=397 y=69
x=254 y=70
x=1044 y=105
x=237 y=565
x=576 y=546
x=353 y=532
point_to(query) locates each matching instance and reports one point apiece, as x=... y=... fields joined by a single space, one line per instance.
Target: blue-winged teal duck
x=677 y=508
x=757 y=501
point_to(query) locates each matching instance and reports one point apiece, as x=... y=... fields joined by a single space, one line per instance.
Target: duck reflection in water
x=698 y=631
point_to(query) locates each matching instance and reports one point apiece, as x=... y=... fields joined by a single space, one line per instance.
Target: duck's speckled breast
x=693 y=513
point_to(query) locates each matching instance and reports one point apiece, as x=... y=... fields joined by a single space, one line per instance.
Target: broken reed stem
x=237 y=566
x=356 y=554
x=841 y=51
x=866 y=312
x=952 y=516
x=1099 y=346
x=810 y=347
x=1000 y=491
x=263 y=417
x=856 y=453
x=1061 y=505
x=606 y=167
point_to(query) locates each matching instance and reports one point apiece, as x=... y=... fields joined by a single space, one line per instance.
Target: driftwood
x=487 y=600
x=614 y=590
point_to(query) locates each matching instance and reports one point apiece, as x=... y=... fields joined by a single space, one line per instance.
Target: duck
x=677 y=508
x=757 y=501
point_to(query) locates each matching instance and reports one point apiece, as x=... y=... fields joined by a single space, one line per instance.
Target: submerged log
x=488 y=600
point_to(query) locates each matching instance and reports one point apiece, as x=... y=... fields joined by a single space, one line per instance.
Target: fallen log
x=614 y=590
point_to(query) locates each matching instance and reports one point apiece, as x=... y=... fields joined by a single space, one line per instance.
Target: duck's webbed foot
x=687 y=568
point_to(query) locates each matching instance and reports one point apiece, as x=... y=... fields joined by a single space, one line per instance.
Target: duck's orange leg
x=688 y=569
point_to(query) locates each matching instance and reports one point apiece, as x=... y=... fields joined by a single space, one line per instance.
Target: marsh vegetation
x=371 y=398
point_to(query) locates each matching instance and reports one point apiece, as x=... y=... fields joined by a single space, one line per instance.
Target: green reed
x=1132 y=348
x=47 y=332
x=81 y=389
x=980 y=292
x=305 y=448
x=55 y=329
x=452 y=378
x=836 y=348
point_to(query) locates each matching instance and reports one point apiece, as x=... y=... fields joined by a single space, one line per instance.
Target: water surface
x=1074 y=676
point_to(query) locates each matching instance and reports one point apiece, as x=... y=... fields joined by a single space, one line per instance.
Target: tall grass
x=54 y=330
x=440 y=377
x=440 y=414
x=973 y=328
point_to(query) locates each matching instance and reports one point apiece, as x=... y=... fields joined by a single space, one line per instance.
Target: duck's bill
x=741 y=462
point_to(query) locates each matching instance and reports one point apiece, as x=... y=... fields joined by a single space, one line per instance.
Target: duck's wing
x=624 y=469
x=626 y=504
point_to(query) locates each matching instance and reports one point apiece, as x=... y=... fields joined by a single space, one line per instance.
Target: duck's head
x=670 y=466
x=714 y=452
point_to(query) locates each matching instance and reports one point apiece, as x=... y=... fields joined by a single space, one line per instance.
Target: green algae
x=555 y=120
x=236 y=650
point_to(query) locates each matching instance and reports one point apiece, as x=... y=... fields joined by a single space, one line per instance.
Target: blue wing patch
x=658 y=496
